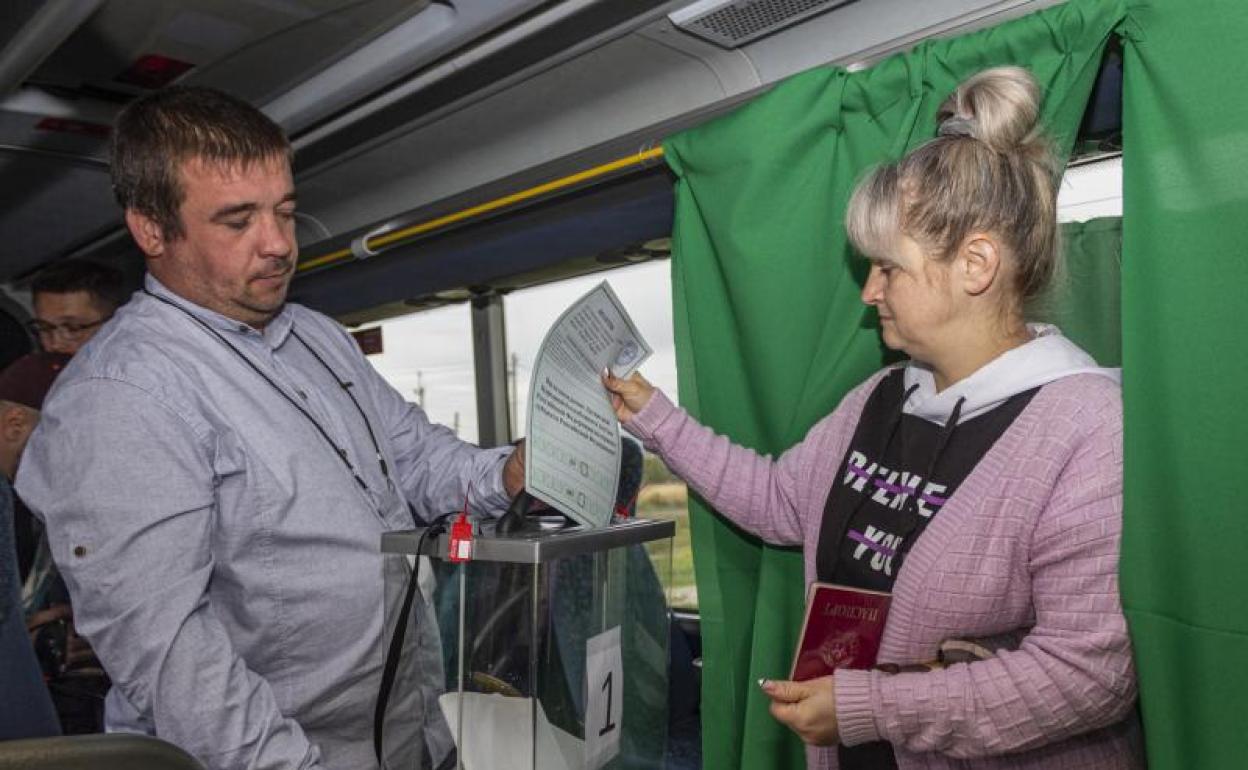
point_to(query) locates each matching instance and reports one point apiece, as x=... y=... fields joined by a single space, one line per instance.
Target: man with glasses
x=72 y=300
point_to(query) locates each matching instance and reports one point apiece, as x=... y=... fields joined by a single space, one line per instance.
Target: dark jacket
x=25 y=706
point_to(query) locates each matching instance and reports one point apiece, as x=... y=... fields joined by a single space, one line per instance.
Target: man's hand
x=513 y=470
x=628 y=397
x=807 y=708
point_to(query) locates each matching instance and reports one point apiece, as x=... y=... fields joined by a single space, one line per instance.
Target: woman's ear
x=979 y=263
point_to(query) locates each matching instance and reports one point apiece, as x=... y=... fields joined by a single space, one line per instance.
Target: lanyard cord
x=346 y=386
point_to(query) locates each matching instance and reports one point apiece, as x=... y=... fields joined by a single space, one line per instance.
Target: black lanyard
x=344 y=384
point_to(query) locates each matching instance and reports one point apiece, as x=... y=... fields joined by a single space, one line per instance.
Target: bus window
x=427 y=357
x=1090 y=190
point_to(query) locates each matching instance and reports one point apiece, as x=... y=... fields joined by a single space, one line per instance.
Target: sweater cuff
x=854 y=718
x=645 y=424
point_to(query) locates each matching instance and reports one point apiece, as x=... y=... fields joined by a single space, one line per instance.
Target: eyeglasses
x=71 y=331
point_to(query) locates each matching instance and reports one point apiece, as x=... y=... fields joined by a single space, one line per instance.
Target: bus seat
x=114 y=751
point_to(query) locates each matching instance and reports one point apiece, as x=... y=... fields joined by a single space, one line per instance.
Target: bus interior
x=451 y=154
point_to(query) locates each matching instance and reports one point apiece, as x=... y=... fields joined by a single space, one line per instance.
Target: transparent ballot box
x=547 y=650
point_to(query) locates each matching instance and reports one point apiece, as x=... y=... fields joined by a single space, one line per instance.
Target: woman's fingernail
x=764 y=683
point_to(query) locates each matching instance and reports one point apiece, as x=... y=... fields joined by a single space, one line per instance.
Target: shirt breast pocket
x=246 y=500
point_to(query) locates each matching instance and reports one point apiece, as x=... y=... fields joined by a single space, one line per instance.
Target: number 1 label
x=604 y=706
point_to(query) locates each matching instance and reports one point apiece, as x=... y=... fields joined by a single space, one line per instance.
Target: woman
x=980 y=483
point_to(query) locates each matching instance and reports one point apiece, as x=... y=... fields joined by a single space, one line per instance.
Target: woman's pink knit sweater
x=1028 y=541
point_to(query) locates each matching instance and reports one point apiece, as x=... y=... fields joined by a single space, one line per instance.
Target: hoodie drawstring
x=828 y=550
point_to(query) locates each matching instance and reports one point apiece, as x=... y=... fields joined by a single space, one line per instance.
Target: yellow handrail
x=387 y=239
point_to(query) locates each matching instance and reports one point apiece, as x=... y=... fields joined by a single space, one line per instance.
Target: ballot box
x=547 y=649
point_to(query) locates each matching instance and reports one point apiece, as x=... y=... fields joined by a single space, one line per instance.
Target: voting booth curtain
x=1086 y=298
x=770 y=335
x=1185 y=365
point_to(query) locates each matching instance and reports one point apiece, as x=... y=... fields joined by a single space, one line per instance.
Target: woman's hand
x=628 y=397
x=807 y=708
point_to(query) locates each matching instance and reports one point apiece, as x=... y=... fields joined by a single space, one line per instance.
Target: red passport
x=842 y=629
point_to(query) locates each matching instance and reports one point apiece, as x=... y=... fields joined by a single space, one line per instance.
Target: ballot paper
x=502 y=733
x=572 y=460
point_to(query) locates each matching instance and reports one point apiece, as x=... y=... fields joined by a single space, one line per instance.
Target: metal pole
x=511 y=382
x=489 y=351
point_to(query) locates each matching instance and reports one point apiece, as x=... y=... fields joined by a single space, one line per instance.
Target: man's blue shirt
x=223 y=561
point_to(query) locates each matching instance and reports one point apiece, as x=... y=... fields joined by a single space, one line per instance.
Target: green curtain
x=1185 y=540
x=1085 y=300
x=770 y=331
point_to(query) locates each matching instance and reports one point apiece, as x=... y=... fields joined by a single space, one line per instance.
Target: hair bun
x=1000 y=107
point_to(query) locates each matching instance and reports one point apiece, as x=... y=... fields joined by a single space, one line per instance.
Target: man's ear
x=146 y=232
x=979 y=263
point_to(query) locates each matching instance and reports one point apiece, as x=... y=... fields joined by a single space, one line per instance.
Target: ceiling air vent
x=731 y=23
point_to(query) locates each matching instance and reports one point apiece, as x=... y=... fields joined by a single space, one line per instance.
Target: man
x=235 y=460
x=25 y=707
x=72 y=300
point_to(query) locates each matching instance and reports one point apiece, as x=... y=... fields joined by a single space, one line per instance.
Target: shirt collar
x=274 y=335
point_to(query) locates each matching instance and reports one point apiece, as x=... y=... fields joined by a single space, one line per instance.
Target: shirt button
x=80 y=551
x=302 y=395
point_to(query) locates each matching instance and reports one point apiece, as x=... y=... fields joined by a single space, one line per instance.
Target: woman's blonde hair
x=990 y=169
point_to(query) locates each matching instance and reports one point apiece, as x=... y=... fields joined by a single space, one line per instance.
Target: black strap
x=513 y=520
x=394 y=651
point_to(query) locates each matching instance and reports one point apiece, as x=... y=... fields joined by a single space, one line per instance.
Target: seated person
x=980 y=483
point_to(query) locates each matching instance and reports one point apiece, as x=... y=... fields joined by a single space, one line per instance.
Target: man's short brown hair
x=157 y=132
